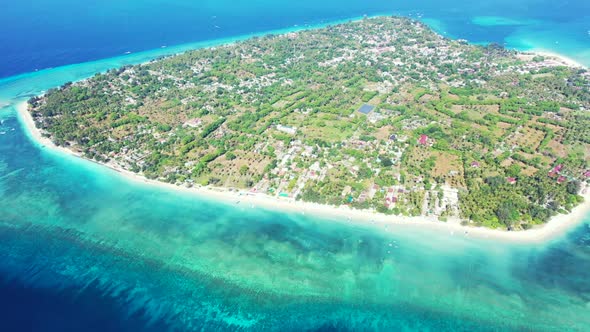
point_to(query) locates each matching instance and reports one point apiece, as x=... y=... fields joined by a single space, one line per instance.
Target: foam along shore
x=37 y=83
x=566 y=61
x=557 y=226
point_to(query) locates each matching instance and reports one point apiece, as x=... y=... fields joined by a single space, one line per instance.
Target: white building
x=288 y=130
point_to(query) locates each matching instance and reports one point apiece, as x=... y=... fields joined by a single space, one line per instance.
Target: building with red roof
x=423 y=140
x=556 y=170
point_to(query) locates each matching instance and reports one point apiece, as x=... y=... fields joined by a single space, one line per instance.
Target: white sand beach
x=569 y=62
x=557 y=226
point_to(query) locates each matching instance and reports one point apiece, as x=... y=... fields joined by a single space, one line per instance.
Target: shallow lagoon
x=82 y=246
x=77 y=232
x=39 y=34
x=72 y=227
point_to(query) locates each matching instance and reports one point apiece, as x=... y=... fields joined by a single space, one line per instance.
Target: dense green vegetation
x=482 y=133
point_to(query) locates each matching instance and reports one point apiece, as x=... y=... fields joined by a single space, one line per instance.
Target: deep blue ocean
x=40 y=34
x=84 y=249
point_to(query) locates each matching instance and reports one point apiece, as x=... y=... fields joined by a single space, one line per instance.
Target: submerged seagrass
x=189 y=263
x=381 y=113
x=192 y=264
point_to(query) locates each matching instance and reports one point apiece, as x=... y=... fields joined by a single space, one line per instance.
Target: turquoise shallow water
x=39 y=34
x=90 y=243
x=181 y=261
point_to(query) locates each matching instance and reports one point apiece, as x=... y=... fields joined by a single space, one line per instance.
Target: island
x=381 y=114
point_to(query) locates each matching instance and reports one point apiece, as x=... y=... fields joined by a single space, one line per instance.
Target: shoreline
x=558 y=225
x=567 y=61
x=12 y=87
x=91 y=68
